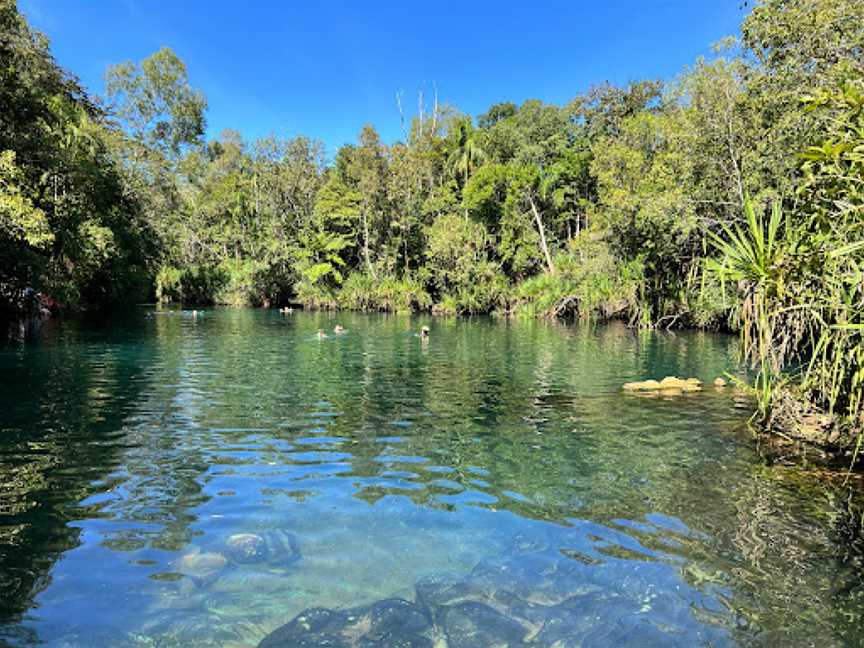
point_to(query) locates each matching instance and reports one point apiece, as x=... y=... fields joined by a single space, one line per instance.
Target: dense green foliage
x=642 y=202
x=67 y=222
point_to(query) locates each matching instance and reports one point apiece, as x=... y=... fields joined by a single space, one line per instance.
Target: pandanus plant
x=753 y=258
x=801 y=312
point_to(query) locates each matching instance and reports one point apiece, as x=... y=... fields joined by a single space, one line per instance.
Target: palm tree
x=467 y=154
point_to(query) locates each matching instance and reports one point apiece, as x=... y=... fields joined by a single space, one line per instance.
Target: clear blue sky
x=324 y=69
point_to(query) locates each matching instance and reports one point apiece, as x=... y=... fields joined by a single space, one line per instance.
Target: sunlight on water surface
x=499 y=464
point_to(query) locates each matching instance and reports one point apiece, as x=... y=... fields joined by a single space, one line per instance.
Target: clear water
x=128 y=444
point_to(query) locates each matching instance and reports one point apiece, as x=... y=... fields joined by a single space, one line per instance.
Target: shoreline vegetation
x=730 y=198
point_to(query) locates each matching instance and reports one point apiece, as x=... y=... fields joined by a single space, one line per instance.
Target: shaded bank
x=61 y=438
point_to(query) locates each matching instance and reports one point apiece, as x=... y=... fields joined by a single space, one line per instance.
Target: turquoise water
x=500 y=454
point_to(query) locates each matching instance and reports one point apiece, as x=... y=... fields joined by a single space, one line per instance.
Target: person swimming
x=321 y=334
x=424 y=332
x=338 y=329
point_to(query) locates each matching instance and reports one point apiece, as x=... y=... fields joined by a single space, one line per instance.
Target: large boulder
x=392 y=623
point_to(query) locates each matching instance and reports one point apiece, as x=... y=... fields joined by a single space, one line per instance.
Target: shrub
x=316 y=296
x=169 y=284
x=389 y=293
x=589 y=282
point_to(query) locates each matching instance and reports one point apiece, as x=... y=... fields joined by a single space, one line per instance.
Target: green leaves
x=322 y=252
x=20 y=219
x=156 y=102
x=751 y=253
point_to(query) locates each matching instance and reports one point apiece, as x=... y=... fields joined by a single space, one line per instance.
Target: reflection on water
x=359 y=467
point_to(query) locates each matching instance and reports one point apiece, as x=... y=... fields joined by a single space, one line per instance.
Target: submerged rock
x=201 y=565
x=246 y=548
x=540 y=598
x=206 y=630
x=275 y=547
x=392 y=623
x=475 y=625
x=396 y=622
x=440 y=590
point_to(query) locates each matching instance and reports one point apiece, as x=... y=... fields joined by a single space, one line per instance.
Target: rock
x=201 y=565
x=719 y=382
x=567 y=624
x=439 y=590
x=538 y=598
x=645 y=385
x=313 y=627
x=246 y=548
x=194 y=629
x=282 y=548
x=275 y=547
x=397 y=623
x=475 y=625
x=685 y=384
x=539 y=578
x=669 y=386
x=389 y=623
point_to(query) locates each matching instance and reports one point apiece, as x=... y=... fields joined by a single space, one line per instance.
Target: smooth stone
x=282 y=548
x=313 y=627
x=644 y=385
x=201 y=564
x=669 y=386
x=691 y=384
x=672 y=381
x=396 y=622
x=475 y=625
x=205 y=630
x=392 y=623
x=246 y=548
x=439 y=590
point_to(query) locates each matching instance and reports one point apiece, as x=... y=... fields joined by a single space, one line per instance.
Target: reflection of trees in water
x=507 y=399
x=61 y=433
x=526 y=408
x=166 y=454
x=525 y=417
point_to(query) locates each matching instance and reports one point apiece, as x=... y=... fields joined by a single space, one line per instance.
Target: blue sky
x=325 y=69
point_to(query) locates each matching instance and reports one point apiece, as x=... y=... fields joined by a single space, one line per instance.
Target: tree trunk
x=366 y=257
x=542 y=231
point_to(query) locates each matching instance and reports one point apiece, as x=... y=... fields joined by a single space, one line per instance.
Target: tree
x=466 y=154
x=367 y=168
x=645 y=180
x=496 y=113
x=67 y=224
x=796 y=47
x=157 y=105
